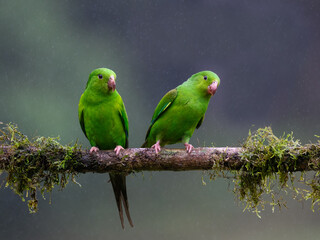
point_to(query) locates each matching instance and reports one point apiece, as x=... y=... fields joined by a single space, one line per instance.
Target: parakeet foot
x=156 y=147
x=118 y=149
x=189 y=147
x=94 y=149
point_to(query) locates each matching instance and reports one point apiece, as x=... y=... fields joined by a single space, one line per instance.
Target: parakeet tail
x=118 y=182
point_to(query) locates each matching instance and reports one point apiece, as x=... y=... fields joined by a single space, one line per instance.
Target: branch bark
x=141 y=159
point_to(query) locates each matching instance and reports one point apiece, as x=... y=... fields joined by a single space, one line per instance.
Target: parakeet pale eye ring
x=205 y=77
x=100 y=76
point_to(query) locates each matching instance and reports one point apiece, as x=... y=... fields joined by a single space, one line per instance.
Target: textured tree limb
x=140 y=159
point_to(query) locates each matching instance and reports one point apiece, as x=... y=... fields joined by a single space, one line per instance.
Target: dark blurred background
x=267 y=54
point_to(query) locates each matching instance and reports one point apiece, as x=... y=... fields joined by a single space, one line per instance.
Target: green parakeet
x=104 y=121
x=181 y=111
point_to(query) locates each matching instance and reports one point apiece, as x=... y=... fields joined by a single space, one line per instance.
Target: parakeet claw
x=189 y=147
x=118 y=149
x=156 y=147
x=94 y=149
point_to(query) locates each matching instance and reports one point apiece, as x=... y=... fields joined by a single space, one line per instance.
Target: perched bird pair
x=104 y=120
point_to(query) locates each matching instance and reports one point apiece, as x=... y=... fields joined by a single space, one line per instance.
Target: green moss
x=313 y=192
x=268 y=173
x=29 y=173
x=266 y=153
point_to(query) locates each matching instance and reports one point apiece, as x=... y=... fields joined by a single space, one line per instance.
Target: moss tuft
x=29 y=173
x=269 y=171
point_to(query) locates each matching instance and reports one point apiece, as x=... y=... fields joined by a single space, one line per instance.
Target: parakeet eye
x=205 y=77
x=100 y=76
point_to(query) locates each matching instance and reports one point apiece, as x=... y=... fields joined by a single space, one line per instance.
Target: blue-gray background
x=267 y=54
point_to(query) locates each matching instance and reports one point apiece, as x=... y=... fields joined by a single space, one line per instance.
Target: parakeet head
x=206 y=82
x=102 y=80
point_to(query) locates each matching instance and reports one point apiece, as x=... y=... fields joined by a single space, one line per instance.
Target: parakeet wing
x=81 y=117
x=124 y=120
x=200 y=122
x=163 y=105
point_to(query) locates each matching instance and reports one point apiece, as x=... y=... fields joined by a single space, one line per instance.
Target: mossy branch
x=262 y=162
x=302 y=158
